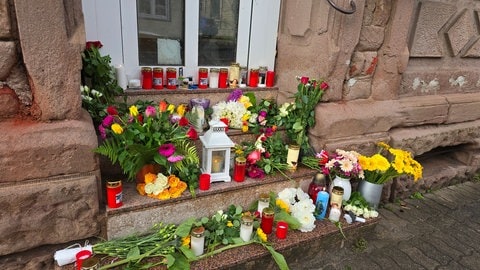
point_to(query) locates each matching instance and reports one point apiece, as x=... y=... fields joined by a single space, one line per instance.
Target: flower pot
x=147 y=168
x=345 y=184
x=371 y=192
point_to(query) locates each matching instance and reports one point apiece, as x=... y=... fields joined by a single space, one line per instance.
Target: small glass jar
x=262 y=76
x=335 y=213
x=171 y=78
x=91 y=263
x=197 y=240
x=268 y=216
x=158 y=78
x=234 y=75
x=202 y=78
x=223 y=78
x=246 y=228
x=337 y=196
x=243 y=76
x=253 y=79
x=239 y=169
x=292 y=156
x=263 y=202
x=114 y=194
x=213 y=78
x=319 y=183
x=147 y=77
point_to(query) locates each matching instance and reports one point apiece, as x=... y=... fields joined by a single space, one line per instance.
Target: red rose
x=183 y=122
x=324 y=86
x=111 y=110
x=192 y=134
x=140 y=118
x=97 y=44
x=304 y=80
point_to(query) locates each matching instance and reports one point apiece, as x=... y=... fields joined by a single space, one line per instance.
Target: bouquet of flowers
x=378 y=169
x=344 y=164
x=300 y=115
x=234 y=110
x=300 y=206
x=151 y=134
x=161 y=187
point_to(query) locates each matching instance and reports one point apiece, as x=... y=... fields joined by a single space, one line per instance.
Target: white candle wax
x=334 y=214
x=217 y=164
x=246 y=232
x=261 y=205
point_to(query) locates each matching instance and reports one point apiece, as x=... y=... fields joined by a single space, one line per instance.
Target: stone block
x=5 y=28
x=48 y=211
x=35 y=150
x=8 y=57
x=416 y=111
x=371 y=38
x=463 y=107
x=9 y=104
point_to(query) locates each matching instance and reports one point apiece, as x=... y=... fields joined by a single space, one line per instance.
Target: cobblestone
x=440 y=231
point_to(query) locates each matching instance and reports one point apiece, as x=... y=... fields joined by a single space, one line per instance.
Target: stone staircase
x=139 y=213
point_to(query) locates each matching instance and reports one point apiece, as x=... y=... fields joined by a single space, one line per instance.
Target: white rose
x=348 y=207
x=374 y=214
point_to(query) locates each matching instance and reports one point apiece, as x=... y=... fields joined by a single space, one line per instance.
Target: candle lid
x=319 y=179
x=247 y=220
x=241 y=160
x=268 y=212
x=114 y=184
x=264 y=197
x=158 y=69
x=198 y=231
x=146 y=69
x=337 y=190
x=214 y=70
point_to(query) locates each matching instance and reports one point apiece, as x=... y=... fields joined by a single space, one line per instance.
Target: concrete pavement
x=440 y=231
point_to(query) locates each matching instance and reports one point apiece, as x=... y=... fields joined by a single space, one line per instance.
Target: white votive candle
x=197 y=240
x=246 y=228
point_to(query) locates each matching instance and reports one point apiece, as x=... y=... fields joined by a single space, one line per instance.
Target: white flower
x=303 y=206
x=366 y=214
x=306 y=219
x=232 y=110
x=301 y=195
x=253 y=118
x=373 y=213
x=162 y=180
x=288 y=195
x=359 y=212
x=348 y=207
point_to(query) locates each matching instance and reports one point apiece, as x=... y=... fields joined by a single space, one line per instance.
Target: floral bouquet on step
x=379 y=169
x=340 y=163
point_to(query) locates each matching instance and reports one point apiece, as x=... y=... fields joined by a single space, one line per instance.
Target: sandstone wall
x=48 y=173
x=404 y=72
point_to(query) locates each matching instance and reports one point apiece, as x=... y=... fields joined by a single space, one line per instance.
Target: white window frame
x=153 y=15
x=114 y=23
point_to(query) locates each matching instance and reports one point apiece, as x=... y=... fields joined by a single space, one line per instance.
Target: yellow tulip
x=117 y=129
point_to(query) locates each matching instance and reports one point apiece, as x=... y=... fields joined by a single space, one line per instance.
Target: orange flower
x=164 y=195
x=173 y=181
x=175 y=192
x=150 y=178
x=141 y=189
x=162 y=107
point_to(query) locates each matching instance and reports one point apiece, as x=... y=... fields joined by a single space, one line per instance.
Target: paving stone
x=471 y=261
x=418 y=256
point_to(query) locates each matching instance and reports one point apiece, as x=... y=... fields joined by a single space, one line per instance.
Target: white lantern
x=216 y=146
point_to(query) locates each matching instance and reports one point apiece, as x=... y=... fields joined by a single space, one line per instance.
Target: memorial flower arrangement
x=300 y=114
x=151 y=134
x=161 y=187
x=359 y=206
x=379 y=169
x=300 y=206
x=344 y=164
x=234 y=110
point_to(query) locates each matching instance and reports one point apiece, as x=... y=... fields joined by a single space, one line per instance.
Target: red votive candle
x=267 y=220
x=204 y=181
x=282 y=228
x=253 y=79
x=223 y=78
x=81 y=256
x=270 y=78
x=147 y=77
x=114 y=194
x=239 y=169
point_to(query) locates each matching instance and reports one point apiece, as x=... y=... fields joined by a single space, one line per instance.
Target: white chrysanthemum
x=306 y=219
x=253 y=118
x=288 y=195
x=303 y=206
x=283 y=110
x=348 y=207
x=232 y=110
x=366 y=214
x=301 y=195
x=373 y=214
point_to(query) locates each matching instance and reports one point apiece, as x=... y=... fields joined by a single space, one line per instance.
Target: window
x=154 y=9
x=190 y=33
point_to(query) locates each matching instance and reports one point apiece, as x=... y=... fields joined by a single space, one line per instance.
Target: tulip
x=162 y=106
x=111 y=110
x=304 y=80
x=150 y=111
x=133 y=110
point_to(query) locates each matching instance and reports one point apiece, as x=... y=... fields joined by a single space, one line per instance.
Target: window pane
x=160 y=32
x=217 y=37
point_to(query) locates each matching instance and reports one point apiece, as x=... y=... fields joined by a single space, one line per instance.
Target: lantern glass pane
x=218 y=161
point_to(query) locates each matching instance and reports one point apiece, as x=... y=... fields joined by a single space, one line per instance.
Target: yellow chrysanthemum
x=150 y=178
x=133 y=110
x=245 y=101
x=117 y=129
x=186 y=241
x=229 y=224
x=379 y=163
x=383 y=145
x=181 y=109
x=261 y=235
x=282 y=204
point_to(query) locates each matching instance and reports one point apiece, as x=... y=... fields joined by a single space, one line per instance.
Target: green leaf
x=133 y=252
x=180 y=263
x=238 y=210
x=183 y=230
x=293 y=223
x=278 y=257
x=188 y=252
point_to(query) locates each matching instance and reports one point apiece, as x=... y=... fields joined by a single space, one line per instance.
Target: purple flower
x=108 y=121
x=102 y=131
x=150 y=111
x=235 y=95
x=255 y=172
x=174 y=158
x=262 y=118
x=166 y=149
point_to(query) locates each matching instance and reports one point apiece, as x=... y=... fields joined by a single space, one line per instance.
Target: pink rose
x=304 y=80
x=324 y=86
x=254 y=156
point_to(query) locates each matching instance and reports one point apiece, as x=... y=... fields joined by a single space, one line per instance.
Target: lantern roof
x=216 y=137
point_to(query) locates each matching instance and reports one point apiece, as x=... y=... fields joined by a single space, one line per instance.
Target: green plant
x=360 y=244
x=301 y=113
x=417 y=195
x=98 y=74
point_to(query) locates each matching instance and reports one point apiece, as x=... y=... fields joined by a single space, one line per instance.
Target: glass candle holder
x=171 y=78
x=204 y=181
x=197 y=240
x=147 y=77
x=158 y=78
x=262 y=76
x=319 y=183
x=292 y=156
x=114 y=194
x=234 y=75
x=336 y=196
x=321 y=205
x=263 y=202
x=270 y=78
x=202 y=78
x=243 y=76
x=253 y=79
x=268 y=216
x=246 y=228
x=282 y=228
x=335 y=213
x=239 y=169
x=213 y=78
x=223 y=78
